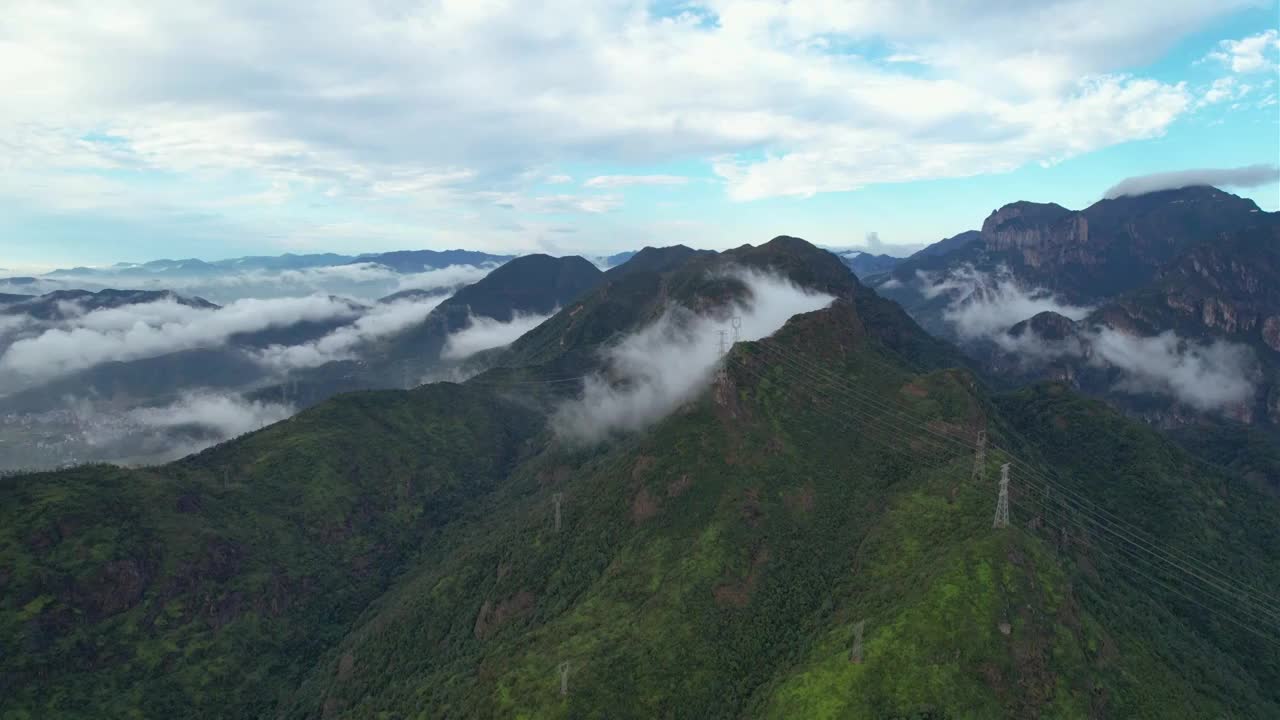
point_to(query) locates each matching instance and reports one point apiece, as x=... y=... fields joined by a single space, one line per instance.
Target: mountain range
x=398 y=260
x=706 y=484
x=1145 y=294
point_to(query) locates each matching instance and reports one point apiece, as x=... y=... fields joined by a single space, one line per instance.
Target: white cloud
x=149 y=330
x=1250 y=54
x=364 y=281
x=653 y=370
x=444 y=278
x=1247 y=176
x=1095 y=113
x=225 y=416
x=984 y=305
x=616 y=181
x=197 y=420
x=341 y=344
x=1208 y=376
x=1222 y=89
x=483 y=333
x=367 y=106
x=554 y=204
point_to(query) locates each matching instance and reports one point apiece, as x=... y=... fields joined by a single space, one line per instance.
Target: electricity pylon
x=855 y=653
x=1002 y=504
x=980 y=458
x=556 y=499
x=564 y=678
x=722 y=376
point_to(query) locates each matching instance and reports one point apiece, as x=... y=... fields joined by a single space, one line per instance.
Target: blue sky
x=146 y=130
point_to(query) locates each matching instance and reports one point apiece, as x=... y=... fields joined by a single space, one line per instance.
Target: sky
x=133 y=131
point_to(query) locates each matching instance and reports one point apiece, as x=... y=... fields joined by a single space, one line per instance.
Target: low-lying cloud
x=652 y=371
x=1245 y=177
x=197 y=420
x=364 y=281
x=341 y=344
x=152 y=329
x=483 y=333
x=1206 y=376
x=983 y=305
x=225 y=416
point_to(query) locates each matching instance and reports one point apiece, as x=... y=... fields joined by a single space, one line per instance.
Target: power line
x=1221 y=584
x=867 y=418
x=942 y=437
x=1211 y=587
x=863 y=420
x=1135 y=568
x=1108 y=522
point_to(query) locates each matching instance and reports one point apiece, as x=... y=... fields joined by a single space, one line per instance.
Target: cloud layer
x=364 y=281
x=1206 y=376
x=1212 y=376
x=484 y=333
x=668 y=362
x=197 y=420
x=982 y=305
x=151 y=329
x=223 y=416
x=1245 y=177
x=342 y=344
x=397 y=116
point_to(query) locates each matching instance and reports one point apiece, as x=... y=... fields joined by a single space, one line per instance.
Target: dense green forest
x=396 y=555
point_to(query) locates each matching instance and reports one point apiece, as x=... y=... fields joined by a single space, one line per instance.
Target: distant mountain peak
x=1047 y=325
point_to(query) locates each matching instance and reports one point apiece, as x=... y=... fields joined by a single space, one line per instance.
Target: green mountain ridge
x=395 y=553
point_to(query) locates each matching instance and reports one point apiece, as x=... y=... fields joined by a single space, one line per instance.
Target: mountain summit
x=1149 y=283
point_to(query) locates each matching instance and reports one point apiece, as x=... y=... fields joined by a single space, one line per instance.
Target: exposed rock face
x=491 y=617
x=117 y=587
x=1113 y=245
x=1271 y=332
x=1227 y=288
x=1042 y=234
x=1047 y=325
x=1198 y=262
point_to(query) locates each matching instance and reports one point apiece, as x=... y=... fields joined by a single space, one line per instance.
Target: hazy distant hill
x=865 y=264
x=58 y=304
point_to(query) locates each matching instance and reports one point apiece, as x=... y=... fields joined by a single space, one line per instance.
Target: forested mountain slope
x=396 y=554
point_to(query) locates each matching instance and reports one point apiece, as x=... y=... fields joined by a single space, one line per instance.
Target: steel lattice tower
x=1002 y=505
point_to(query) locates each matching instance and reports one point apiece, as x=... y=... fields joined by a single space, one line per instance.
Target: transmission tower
x=736 y=322
x=722 y=376
x=855 y=653
x=556 y=499
x=1044 y=507
x=1002 y=505
x=980 y=458
x=564 y=678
